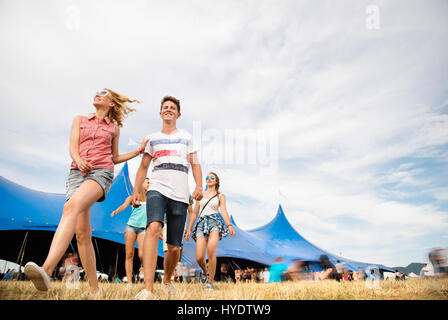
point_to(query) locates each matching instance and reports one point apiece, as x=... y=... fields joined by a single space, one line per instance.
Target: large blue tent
x=279 y=238
x=26 y=209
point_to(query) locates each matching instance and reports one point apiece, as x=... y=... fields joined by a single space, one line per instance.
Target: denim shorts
x=136 y=230
x=104 y=177
x=209 y=223
x=212 y=226
x=176 y=214
x=165 y=246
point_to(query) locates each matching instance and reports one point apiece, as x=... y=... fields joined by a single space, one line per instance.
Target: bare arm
x=190 y=212
x=225 y=214
x=125 y=204
x=191 y=219
x=83 y=165
x=119 y=158
x=140 y=177
x=197 y=175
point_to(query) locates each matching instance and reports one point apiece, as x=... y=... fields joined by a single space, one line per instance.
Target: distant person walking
x=69 y=269
x=94 y=142
x=426 y=271
x=328 y=269
x=266 y=275
x=135 y=229
x=277 y=270
x=210 y=228
x=340 y=270
x=439 y=260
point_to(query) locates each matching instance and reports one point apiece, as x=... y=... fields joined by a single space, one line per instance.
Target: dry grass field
x=413 y=289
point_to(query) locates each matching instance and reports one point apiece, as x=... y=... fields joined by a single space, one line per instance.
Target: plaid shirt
x=223 y=229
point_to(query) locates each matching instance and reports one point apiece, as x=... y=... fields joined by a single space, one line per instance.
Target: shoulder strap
x=207 y=203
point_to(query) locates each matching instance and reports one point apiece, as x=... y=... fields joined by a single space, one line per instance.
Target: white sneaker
x=91 y=295
x=209 y=286
x=169 y=289
x=145 y=295
x=38 y=276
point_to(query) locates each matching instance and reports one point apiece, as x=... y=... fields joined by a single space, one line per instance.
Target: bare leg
x=150 y=253
x=213 y=240
x=129 y=238
x=171 y=262
x=165 y=247
x=86 y=195
x=140 y=240
x=165 y=259
x=201 y=246
x=85 y=248
x=179 y=255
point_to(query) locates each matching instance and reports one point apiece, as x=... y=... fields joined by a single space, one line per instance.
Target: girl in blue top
x=135 y=229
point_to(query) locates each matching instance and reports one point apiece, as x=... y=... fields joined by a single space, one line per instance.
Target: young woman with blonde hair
x=210 y=228
x=135 y=229
x=94 y=141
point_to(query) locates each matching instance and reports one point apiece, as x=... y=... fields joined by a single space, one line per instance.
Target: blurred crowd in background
x=279 y=271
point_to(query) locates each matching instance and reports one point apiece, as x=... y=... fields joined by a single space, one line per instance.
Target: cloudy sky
x=338 y=110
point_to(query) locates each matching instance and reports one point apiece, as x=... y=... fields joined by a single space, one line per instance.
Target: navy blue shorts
x=176 y=214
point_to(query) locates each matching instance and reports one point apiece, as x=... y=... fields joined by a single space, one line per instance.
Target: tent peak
x=125 y=168
x=280 y=210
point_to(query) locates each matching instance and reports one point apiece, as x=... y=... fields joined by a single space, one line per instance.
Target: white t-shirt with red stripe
x=170 y=153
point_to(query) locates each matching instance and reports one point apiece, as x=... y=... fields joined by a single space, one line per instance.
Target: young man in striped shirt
x=171 y=150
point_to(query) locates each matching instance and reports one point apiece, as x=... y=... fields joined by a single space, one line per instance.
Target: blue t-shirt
x=276 y=272
x=138 y=216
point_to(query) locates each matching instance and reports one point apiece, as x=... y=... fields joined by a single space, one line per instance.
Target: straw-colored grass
x=418 y=289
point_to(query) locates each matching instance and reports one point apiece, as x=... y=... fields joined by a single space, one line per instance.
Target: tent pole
x=22 y=249
x=71 y=245
x=231 y=265
x=99 y=257
x=23 y=252
x=237 y=265
x=116 y=263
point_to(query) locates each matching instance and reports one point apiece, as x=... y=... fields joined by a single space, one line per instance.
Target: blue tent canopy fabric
x=279 y=238
x=26 y=209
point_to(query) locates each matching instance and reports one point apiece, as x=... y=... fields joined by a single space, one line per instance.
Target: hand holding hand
x=187 y=234
x=136 y=200
x=197 y=194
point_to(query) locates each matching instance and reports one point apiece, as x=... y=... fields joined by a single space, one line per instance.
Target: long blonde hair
x=120 y=110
